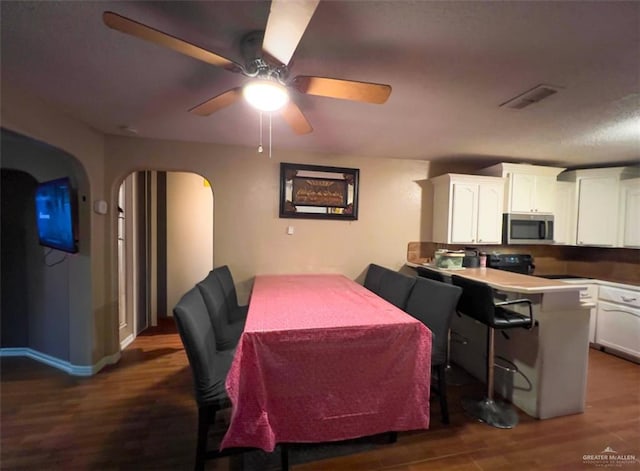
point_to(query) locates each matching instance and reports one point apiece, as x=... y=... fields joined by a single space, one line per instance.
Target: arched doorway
x=165 y=244
x=55 y=325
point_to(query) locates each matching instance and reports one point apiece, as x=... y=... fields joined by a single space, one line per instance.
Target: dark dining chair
x=373 y=278
x=236 y=313
x=433 y=303
x=395 y=287
x=390 y=285
x=431 y=274
x=227 y=333
x=478 y=302
x=209 y=367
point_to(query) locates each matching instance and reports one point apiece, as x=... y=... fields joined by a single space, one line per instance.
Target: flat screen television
x=56 y=216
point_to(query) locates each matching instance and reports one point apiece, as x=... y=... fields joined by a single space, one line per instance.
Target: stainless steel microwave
x=527 y=228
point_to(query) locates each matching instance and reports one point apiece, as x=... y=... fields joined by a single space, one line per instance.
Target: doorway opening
x=165 y=245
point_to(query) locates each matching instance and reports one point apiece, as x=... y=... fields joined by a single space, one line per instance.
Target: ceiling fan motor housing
x=256 y=65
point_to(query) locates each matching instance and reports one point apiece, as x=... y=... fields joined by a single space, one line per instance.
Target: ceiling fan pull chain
x=260 y=143
x=269 y=135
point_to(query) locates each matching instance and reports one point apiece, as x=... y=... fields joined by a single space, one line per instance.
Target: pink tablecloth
x=322 y=359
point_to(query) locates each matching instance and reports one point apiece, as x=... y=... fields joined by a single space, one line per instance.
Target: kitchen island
x=551 y=358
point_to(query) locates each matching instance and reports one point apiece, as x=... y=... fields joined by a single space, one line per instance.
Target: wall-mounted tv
x=56 y=215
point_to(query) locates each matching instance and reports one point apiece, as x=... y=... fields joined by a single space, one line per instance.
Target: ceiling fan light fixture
x=265 y=95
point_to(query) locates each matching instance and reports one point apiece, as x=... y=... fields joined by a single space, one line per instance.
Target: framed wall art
x=318 y=192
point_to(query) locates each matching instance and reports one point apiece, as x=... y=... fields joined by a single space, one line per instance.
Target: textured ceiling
x=451 y=64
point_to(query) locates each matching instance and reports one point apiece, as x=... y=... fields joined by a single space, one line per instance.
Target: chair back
x=199 y=341
x=223 y=274
x=476 y=300
x=373 y=279
x=216 y=305
x=395 y=287
x=433 y=303
x=431 y=274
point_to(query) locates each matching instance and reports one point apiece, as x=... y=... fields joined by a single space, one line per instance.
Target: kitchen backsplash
x=610 y=264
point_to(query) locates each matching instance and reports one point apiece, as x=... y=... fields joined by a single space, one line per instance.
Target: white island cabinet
x=467 y=209
x=589 y=294
x=551 y=358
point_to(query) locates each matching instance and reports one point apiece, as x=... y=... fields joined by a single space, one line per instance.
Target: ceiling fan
x=266 y=56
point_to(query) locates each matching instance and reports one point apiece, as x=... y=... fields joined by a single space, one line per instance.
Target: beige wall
x=251 y=238
x=92 y=303
x=248 y=234
x=189 y=233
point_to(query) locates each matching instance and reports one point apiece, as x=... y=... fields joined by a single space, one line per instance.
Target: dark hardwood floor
x=140 y=414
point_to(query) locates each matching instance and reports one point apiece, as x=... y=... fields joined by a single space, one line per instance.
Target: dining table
x=323 y=359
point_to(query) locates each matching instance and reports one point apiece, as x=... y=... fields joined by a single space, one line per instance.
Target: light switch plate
x=100 y=206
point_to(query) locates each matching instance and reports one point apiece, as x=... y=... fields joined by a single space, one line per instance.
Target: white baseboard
x=125 y=343
x=75 y=370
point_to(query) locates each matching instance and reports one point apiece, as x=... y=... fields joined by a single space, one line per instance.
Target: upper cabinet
x=530 y=193
x=529 y=188
x=467 y=209
x=597 y=211
x=630 y=214
x=601 y=208
x=564 y=214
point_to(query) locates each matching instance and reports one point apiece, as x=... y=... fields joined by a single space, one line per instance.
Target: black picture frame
x=318 y=192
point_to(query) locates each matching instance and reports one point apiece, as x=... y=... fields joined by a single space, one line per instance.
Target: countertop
x=505 y=280
x=593 y=281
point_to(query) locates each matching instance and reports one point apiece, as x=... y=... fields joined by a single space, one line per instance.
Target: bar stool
x=477 y=302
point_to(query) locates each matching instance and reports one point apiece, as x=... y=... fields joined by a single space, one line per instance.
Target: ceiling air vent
x=537 y=93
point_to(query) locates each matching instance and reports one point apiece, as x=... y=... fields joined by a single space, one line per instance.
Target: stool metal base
x=499 y=415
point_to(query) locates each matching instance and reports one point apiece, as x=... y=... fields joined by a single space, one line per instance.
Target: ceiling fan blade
x=125 y=25
x=345 y=89
x=218 y=102
x=294 y=117
x=288 y=19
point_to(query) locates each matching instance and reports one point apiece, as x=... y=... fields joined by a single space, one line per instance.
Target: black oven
x=513 y=262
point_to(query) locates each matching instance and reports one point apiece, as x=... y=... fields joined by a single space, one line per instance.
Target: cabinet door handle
x=628 y=300
x=619 y=310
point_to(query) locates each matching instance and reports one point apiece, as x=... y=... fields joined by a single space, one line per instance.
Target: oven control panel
x=517 y=263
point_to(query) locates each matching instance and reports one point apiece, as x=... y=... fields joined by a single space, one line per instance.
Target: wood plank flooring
x=140 y=414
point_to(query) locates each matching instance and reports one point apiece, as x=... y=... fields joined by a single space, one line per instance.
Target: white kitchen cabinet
x=529 y=188
x=599 y=203
x=464 y=212
x=630 y=216
x=489 y=228
x=523 y=188
x=467 y=209
x=532 y=193
x=618 y=320
x=564 y=224
x=597 y=211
